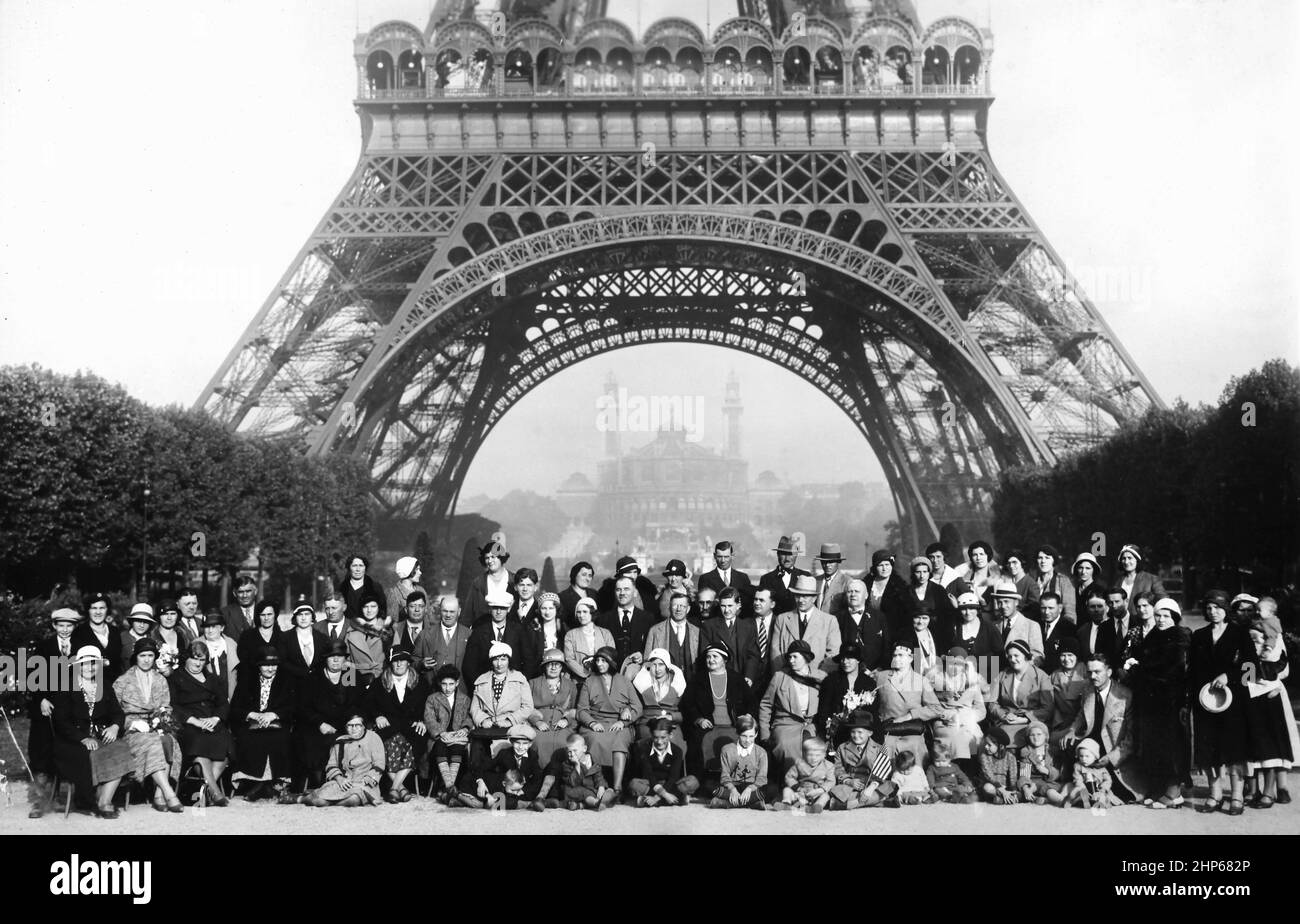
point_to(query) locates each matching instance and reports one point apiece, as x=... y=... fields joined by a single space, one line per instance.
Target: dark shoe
x=175 y=807
x=390 y=799
x=287 y=798
x=1264 y=802
x=1283 y=796
x=160 y=806
x=36 y=813
x=1236 y=808
x=255 y=791
x=1209 y=805
x=110 y=812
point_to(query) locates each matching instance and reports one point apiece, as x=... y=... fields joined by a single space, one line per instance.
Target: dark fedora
x=268 y=656
x=848 y=650
x=785 y=546
x=400 y=653
x=336 y=647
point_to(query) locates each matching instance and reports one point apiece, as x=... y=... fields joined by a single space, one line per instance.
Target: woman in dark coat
x=1218 y=738
x=925 y=596
x=264 y=631
x=202 y=713
x=581 y=577
x=357 y=586
x=887 y=593
x=395 y=707
x=972 y=631
x=87 y=720
x=1157 y=673
x=325 y=702
x=852 y=676
x=261 y=718
x=712 y=695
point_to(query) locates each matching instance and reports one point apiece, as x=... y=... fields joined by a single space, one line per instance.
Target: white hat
x=142 y=611
x=1167 y=603
x=405 y=567
x=662 y=654
x=500 y=599
x=498 y=649
x=1215 y=700
x=88 y=653
x=1006 y=590
x=969 y=598
x=1244 y=598
x=65 y=614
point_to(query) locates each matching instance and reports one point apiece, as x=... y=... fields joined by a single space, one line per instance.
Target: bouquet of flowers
x=851 y=703
x=163 y=721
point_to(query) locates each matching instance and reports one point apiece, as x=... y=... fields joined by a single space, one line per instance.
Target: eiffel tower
x=808 y=182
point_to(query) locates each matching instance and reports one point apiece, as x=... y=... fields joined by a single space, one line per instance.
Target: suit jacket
x=782 y=599
x=440 y=718
x=402 y=632
x=741 y=640
x=657 y=637
x=1108 y=641
x=431 y=644
x=739 y=580
x=1052 y=642
x=476 y=607
x=605 y=599
x=1027 y=631
x=872 y=633
x=477 y=662
x=835 y=599
x=1116 y=732
x=236 y=622
x=634 y=638
x=822 y=635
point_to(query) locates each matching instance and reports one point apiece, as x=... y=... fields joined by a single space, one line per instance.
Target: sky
x=163 y=163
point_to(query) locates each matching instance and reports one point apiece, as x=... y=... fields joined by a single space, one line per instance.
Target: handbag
x=904 y=729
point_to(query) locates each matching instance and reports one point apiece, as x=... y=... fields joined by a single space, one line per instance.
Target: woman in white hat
x=87 y=722
x=1086 y=572
x=1217 y=699
x=499 y=701
x=408 y=581
x=660 y=685
x=585 y=639
x=142 y=625
x=555 y=705
x=1157 y=674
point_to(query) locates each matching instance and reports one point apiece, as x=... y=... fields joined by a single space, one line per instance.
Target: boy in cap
x=513 y=778
x=862 y=769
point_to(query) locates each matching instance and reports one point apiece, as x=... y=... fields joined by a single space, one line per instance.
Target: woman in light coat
x=145 y=698
x=608 y=708
x=501 y=698
x=788 y=712
x=1024 y=694
x=355 y=766
x=961 y=692
x=582 y=642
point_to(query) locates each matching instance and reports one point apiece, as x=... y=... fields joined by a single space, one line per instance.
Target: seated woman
x=395 y=707
x=905 y=702
x=499 y=701
x=146 y=704
x=201 y=709
x=657 y=769
x=261 y=717
x=446 y=719
x=961 y=692
x=608 y=708
x=555 y=706
x=585 y=639
x=1024 y=695
x=324 y=703
x=353 y=770
x=744 y=770
x=661 y=686
x=788 y=713
x=845 y=696
x=513 y=778
x=925 y=647
x=86 y=749
x=715 y=699
x=264 y=631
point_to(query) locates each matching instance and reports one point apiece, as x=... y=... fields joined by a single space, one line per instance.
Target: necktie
x=498 y=633
x=625 y=618
x=762 y=637
x=803 y=625
x=1098 y=713
x=334 y=631
x=63 y=648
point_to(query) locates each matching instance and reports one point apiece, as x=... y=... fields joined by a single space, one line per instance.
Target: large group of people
x=1006 y=678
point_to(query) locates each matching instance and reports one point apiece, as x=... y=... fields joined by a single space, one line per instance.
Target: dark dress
x=1217 y=738
x=321 y=702
x=403 y=745
x=1159 y=683
x=830 y=699
x=249 y=649
x=892 y=603
x=1268 y=740
x=203 y=697
x=697 y=703
x=255 y=746
x=75 y=720
x=352 y=596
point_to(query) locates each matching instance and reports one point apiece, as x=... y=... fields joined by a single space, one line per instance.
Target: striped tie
x=762 y=637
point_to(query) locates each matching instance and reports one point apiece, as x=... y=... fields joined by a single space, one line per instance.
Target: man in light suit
x=676 y=635
x=779 y=579
x=833 y=583
x=1104 y=716
x=724 y=576
x=739 y=636
x=1014 y=624
x=820 y=630
x=444 y=643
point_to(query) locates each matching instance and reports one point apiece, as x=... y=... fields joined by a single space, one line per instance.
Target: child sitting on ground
x=946 y=779
x=808 y=783
x=998 y=769
x=1091 y=787
x=744 y=770
x=913 y=787
x=582 y=783
x=862 y=770
x=1039 y=771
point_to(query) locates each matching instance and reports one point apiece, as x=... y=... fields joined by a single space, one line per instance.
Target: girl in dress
x=1268 y=738
x=355 y=766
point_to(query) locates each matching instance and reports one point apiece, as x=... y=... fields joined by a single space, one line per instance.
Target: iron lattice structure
x=527 y=198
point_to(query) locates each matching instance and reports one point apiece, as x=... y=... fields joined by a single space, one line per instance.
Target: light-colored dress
x=787 y=715
x=359 y=760
x=596 y=705
x=579 y=645
x=142 y=695
x=961 y=698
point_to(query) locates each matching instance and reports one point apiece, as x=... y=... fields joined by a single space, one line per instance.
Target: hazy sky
x=163 y=163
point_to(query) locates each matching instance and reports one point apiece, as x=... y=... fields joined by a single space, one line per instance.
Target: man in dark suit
x=764 y=620
x=630 y=568
x=627 y=622
x=739 y=635
x=239 y=615
x=724 y=576
x=779 y=579
x=867 y=630
x=496 y=628
x=1093 y=628
x=407 y=632
x=1055 y=628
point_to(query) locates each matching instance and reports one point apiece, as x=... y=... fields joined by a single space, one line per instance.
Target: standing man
x=832 y=584
x=724 y=576
x=1054 y=628
x=626 y=621
x=628 y=567
x=1089 y=633
x=239 y=615
x=676 y=635
x=335 y=625
x=190 y=621
x=806 y=622
x=1051 y=581
x=57 y=652
x=941 y=572
x=496 y=628
x=867 y=630
x=739 y=635
x=444 y=643
x=779 y=579
x=1015 y=625
x=1114 y=631
x=764 y=632
x=525 y=607
x=408 y=632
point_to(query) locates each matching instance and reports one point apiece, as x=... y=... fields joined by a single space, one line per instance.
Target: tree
x=548 y=576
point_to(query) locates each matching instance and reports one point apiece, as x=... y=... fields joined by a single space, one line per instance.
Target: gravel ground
x=423 y=815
